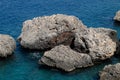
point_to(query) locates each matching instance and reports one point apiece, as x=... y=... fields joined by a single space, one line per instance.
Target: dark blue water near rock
x=22 y=65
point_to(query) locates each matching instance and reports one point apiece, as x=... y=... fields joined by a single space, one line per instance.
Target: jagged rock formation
x=65 y=58
x=68 y=35
x=110 y=72
x=49 y=31
x=99 y=43
x=7 y=45
x=117 y=16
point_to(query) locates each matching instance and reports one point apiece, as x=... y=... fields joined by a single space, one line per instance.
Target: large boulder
x=65 y=58
x=49 y=31
x=7 y=45
x=110 y=72
x=99 y=43
x=72 y=45
x=117 y=16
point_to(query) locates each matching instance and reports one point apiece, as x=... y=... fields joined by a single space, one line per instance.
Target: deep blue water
x=22 y=65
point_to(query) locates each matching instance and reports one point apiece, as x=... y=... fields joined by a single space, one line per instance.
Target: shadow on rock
x=117 y=23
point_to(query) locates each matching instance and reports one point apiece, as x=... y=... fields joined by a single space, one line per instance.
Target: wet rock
x=7 y=45
x=65 y=58
x=49 y=31
x=110 y=72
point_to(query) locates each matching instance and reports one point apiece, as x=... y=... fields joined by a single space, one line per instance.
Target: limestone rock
x=7 y=45
x=117 y=16
x=65 y=58
x=110 y=72
x=99 y=43
x=49 y=31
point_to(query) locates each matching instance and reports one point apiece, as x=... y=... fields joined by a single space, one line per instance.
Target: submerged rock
x=65 y=58
x=99 y=43
x=7 y=45
x=49 y=31
x=110 y=72
x=117 y=16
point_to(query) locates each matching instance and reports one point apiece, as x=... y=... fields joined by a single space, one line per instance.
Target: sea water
x=22 y=65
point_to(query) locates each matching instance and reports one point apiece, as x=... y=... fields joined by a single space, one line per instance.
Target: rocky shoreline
x=68 y=43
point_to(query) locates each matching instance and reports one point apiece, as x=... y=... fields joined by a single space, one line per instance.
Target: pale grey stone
x=110 y=72
x=49 y=31
x=99 y=43
x=65 y=58
x=7 y=45
x=117 y=16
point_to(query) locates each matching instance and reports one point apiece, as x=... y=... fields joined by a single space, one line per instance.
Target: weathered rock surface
x=65 y=58
x=49 y=31
x=99 y=43
x=72 y=44
x=7 y=45
x=110 y=72
x=117 y=16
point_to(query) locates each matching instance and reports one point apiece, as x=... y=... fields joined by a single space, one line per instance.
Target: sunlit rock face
x=117 y=16
x=49 y=31
x=65 y=58
x=110 y=72
x=70 y=43
x=7 y=45
x=99 y=43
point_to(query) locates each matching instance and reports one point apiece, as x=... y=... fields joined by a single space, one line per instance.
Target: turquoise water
x=22 y=65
